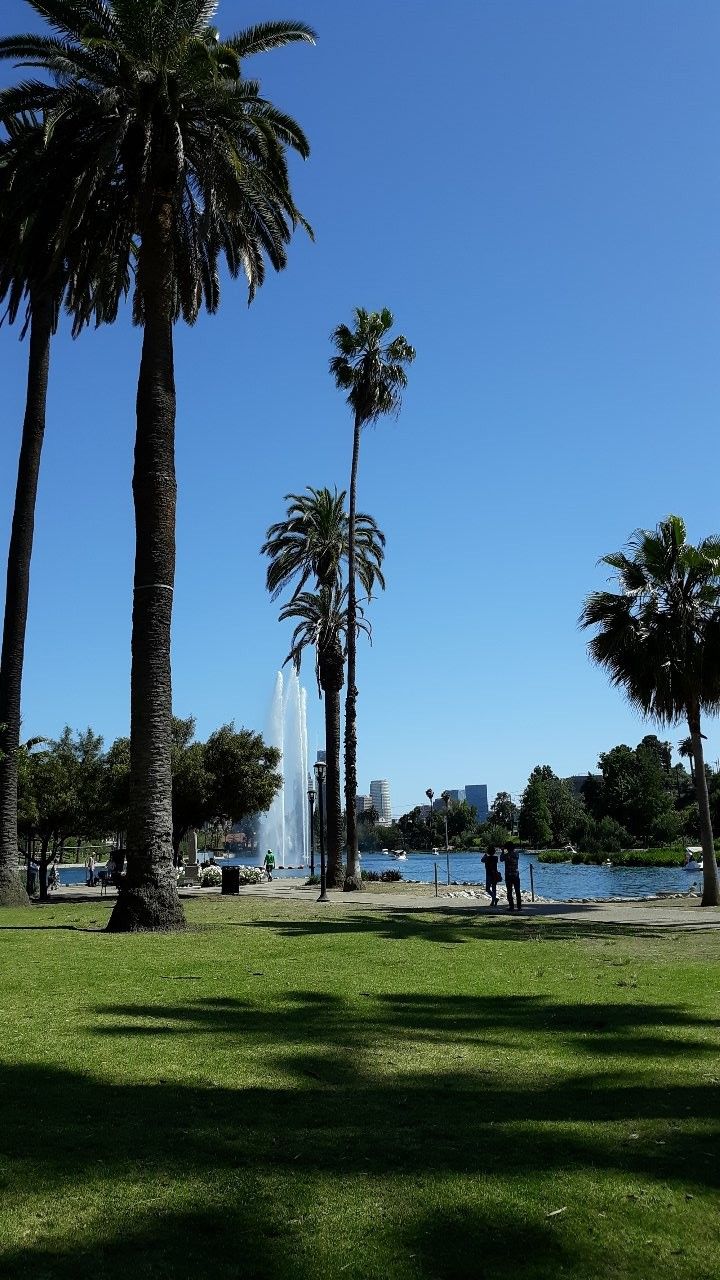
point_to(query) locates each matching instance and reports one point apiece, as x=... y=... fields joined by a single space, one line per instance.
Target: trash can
x=230 y=880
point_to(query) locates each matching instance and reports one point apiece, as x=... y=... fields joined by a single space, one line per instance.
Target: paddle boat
x=692 y=862
x=399 y=855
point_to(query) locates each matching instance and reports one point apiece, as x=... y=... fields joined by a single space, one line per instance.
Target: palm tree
x=322 y=624
x=155 y=107
x=659 y=638
x=685 y=751
x=371 y=369
x=313 y=542
x=34 y=282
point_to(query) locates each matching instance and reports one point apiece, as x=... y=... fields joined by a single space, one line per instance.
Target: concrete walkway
x=662 y=913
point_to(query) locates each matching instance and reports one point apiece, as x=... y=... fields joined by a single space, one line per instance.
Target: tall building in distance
x=363 y=803
x=380 y=795
x=476 y=796
x=321 y=757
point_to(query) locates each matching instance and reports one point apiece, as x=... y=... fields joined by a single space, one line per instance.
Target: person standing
x=32 y=876
x=269 y=863
x=492 y=875
x=511 y=860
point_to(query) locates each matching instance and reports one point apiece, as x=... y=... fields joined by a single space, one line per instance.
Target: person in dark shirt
x=510 y=858
x=491 y=874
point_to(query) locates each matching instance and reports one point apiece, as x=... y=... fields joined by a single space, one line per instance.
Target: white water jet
x=284 y=828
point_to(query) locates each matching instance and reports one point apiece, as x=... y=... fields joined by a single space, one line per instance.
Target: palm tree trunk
x=148 y=897
x=352 y=873
x=12 y=892
x=331 y=682
x=711 y=888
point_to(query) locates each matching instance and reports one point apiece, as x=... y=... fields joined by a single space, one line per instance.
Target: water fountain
x=284 y=828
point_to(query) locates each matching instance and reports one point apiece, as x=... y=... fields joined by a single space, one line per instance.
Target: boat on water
x=692 y=862
x=399 y=855
x=384 y=850
x=436 y=850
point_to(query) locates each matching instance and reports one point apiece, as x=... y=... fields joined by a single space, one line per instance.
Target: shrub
x=370 y=875
x=391 y=875
x=312 y=880
x=251 y=875
x=210 y=876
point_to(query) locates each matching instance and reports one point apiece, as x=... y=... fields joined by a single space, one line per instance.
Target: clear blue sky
x=534 y=189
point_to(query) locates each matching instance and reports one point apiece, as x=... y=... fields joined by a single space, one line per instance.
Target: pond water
x=561 y=881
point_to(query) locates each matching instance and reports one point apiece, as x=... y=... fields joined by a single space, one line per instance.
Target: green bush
x=391 y=875
x=370 y=875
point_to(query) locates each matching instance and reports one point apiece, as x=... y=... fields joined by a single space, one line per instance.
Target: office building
x=380 y=794
x=321 y=757
x=476 y=796
x=363 y=803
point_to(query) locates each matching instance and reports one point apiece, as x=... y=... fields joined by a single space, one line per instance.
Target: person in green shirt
x=269 y=863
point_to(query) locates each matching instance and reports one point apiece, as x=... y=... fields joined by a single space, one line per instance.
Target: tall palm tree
x=33 y=283
x=313 y=542
x=370 y=367
x=659 y=638
x=156 y=107
x=322 y=625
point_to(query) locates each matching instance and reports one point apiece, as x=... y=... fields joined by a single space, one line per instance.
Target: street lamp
x=320 y=767
x=430 y=793
x=446 y=800
x=311 y=802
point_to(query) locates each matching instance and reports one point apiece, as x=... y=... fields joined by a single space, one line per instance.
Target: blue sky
x=533 y=189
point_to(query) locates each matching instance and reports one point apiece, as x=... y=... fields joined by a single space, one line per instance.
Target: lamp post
x=320 y=775
x=430 y=793
x=446 y=798
x=311 y=802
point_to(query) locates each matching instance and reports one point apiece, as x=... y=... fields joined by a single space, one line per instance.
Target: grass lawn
x=297 y=1092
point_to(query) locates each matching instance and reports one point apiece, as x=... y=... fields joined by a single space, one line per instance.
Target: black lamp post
x=320 y=775
x=430 y=793
x=311 y=801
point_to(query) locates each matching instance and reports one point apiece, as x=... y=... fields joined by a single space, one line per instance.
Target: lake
x=562 y=881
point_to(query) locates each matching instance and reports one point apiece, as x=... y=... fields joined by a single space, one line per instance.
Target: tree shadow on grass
x=347 y=1106
x=311 y=1017
x=458 y=925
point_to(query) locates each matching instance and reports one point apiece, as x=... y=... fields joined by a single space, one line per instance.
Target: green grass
x=305 y=1093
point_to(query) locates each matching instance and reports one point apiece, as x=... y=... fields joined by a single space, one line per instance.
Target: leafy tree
x=117 y=789
x=503 y=812
x=190 y=782
x=534 y=820
x=153 y=106
x=313 y=542
x=61 y=793
x=371 y=369
x=658 y=636
x=242 y=773
x=370 y=815
x=496 y=836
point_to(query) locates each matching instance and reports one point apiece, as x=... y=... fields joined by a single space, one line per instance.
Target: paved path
x=664 y=913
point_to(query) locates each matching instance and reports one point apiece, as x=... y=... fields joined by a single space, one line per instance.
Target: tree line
x=72 y=788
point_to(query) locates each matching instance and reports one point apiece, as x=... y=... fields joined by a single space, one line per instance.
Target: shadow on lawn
x=352 y=1115
x=457 y=925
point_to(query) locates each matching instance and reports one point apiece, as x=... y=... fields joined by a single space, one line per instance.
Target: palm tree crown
x=659 y=634
x=312 y=542
x=146 y=98
x=370 y=370
x=321 y=624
